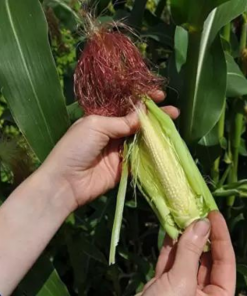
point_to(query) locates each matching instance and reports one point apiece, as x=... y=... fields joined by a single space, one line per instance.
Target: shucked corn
x=166 y=174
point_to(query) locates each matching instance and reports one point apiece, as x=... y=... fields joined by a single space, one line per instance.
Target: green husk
x=119 y=206
x=175 y=212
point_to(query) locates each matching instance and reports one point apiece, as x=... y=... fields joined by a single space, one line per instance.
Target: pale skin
x=82 y=166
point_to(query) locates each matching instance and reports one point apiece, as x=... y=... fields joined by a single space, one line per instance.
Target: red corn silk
x=111 y=75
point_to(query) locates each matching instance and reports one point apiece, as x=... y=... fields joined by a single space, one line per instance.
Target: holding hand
x=178 y=272
x=87 y=157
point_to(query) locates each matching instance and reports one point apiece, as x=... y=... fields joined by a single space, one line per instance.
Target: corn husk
x=166 y=174
x=164 y=171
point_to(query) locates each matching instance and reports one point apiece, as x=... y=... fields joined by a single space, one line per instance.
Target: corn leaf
x=61 y=8
x=160 y=8
x=209 y=148
x=181 y=47
x=74 y=111
x=161 y=33
x=137 y=13
x=193 y=12
x=237 y=189
x=205 y=75
x=28 y=75
x=42 y=280
x=236 y=82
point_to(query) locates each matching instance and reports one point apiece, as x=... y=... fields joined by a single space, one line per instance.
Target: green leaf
x=209 y=148
x=74 y=18
x=236 y=82
x=120 y=206
x=137 y=13
x=233 y=223
x=42 y=280
x=81 y=250
x=54 y=286
x=141 y=261
x=161 y=33
x=131 y=204
x=160 y=8
x=81 y=247
x=211 y=138
x=161 y=237
x=205 y=92
x=225 y=14
x=92 y=251
x=205 y=75
x=238 y=189
x=243 y=148
x=175 y=89
x=193 y=13
x=28 y=75
x=181 y=47
x=242 y=269
x=75 y=111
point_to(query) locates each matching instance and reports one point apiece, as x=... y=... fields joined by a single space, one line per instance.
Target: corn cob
x=166 y=174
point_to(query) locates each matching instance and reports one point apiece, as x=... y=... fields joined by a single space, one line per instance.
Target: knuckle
x=191 y=247
x=92 y=120
x=129 y=123
x=78 y=122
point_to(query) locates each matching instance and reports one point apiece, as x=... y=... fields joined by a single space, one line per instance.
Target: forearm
x=28 y=220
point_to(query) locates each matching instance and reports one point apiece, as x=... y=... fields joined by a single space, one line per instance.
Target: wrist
x=59 y=190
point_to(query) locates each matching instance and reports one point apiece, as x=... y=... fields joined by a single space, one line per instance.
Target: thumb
x=120 y=127
x=190 y=248
x=114 y=127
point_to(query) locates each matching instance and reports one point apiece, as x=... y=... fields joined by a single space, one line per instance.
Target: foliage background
x=209 y=80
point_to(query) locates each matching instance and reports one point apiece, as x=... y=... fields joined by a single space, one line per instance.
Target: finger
x=158 y=96
x=166 y=257
x=173 y=112
x=204 y=270
x=189 y=250
x=150 y=283
x=113 y=152
x=223 y=274
x=114 y=127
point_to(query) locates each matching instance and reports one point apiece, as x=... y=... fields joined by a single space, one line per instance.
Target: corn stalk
x=236 y=123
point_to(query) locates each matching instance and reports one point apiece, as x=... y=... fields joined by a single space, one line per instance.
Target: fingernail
x=202 y=227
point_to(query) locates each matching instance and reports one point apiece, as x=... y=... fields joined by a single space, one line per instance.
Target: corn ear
x=166 y=174
x=142 y=169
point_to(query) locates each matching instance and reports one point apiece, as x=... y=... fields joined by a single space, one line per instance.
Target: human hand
x=87 y=157
x=178 y=271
